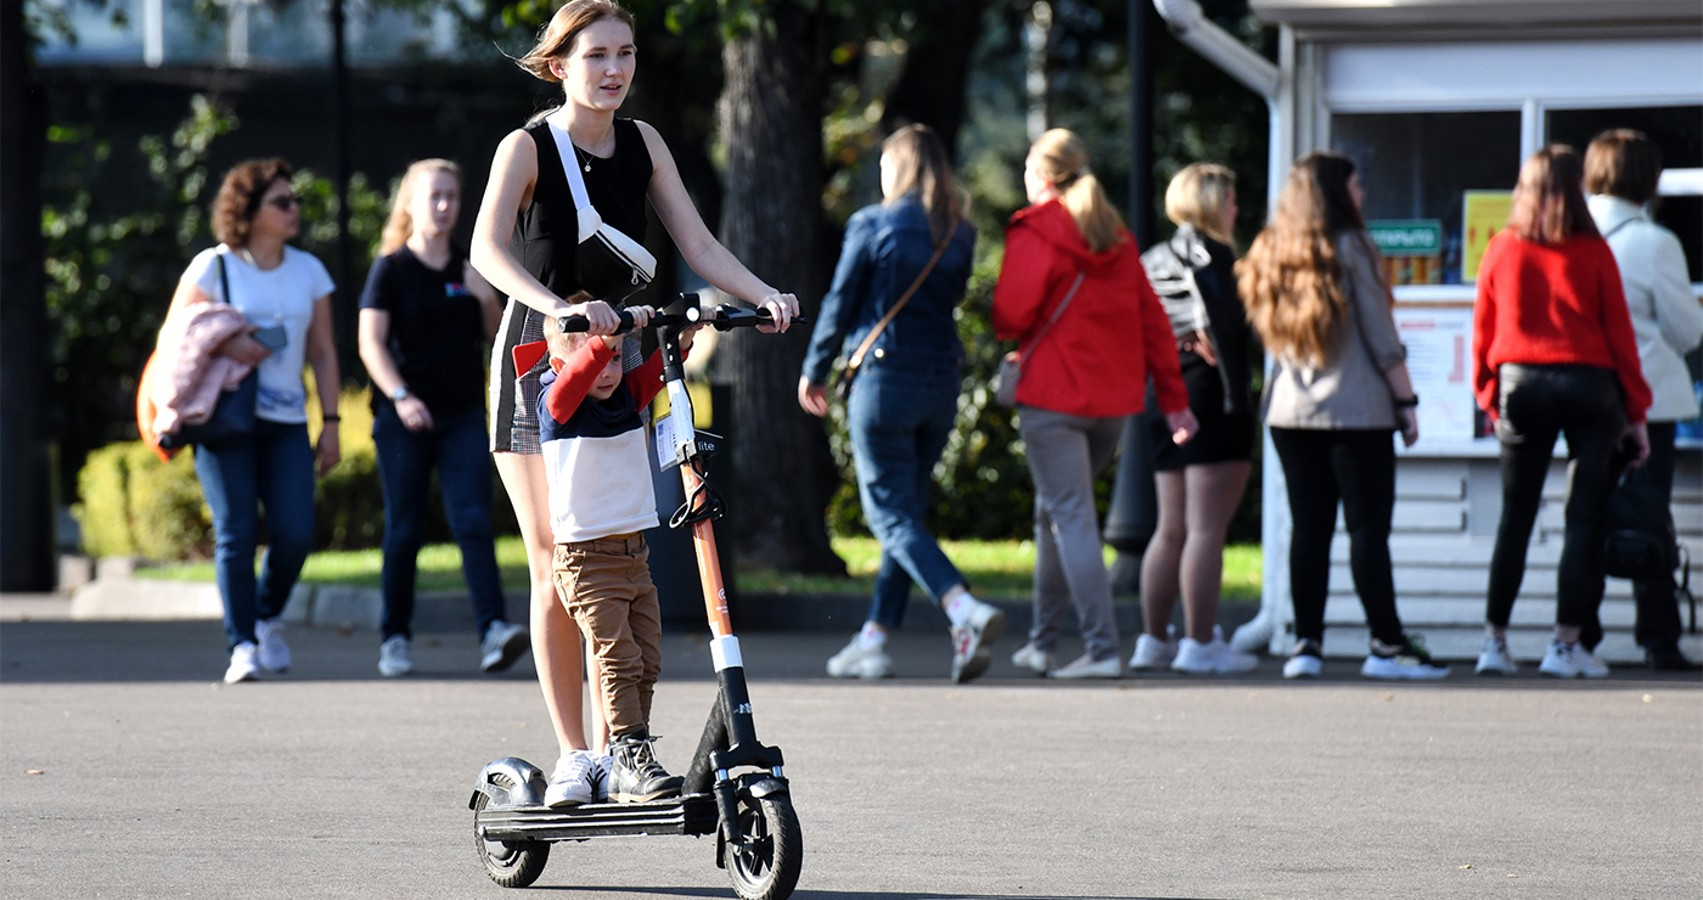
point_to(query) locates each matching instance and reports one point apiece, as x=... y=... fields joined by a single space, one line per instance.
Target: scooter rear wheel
x=512 y=864
x=767 y=866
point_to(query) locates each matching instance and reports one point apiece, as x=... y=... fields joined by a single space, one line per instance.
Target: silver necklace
x=585 y=158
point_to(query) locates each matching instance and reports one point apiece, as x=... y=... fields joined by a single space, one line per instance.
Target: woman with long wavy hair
x=1337 y=389
x=1554 y=353
x=1090 y=331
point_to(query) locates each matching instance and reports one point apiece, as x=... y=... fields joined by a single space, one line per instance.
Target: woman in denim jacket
x=906 y=395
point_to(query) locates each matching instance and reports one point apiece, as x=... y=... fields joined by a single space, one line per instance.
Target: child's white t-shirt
x=266 y=297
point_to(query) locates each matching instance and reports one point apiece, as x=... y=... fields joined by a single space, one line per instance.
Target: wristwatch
x=399 y=395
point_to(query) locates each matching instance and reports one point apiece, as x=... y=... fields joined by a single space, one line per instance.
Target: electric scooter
x=734 y=788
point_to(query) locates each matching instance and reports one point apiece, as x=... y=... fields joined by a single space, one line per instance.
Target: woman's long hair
x=1062 y=158
x=1196 y=197
x=1291 y=280
x=558 y=34
x=919 y=164
x=1549 y=200
x=239 y=196
x=400 y=226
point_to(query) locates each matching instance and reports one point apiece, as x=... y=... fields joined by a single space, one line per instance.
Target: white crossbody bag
x=612 y=266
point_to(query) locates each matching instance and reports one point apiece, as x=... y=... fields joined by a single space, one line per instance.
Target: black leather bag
x=1639 y=543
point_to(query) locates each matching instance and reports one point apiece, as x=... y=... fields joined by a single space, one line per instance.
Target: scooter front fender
x=509 y=781
x=762 y=787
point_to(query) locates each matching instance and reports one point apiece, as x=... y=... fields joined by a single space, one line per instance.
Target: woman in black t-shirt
x=424 y=315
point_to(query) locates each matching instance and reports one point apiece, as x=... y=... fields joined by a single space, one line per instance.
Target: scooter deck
x=690 y=814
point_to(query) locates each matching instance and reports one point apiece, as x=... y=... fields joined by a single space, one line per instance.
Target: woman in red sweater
x=1073 y=294
x=1554 y=354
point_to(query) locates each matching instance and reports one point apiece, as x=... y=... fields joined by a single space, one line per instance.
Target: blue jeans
x=900 y=418
x=273 y=471
x=456 y=448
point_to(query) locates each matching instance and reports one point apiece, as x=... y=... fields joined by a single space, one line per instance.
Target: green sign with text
x=1407 y=237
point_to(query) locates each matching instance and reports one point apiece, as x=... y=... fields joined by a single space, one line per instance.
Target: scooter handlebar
x=723 y=317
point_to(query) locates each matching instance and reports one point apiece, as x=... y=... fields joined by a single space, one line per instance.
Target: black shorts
x=1223 y=437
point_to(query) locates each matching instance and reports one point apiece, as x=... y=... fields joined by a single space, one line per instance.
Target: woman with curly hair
x=285 y=294
x=1338 y=387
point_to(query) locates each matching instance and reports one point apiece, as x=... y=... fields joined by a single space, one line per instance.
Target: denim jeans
x=900 y=417
x=1538 y=404
x=455 y=447
x=1356 y=467
x=273 y=471
x=1066 y=453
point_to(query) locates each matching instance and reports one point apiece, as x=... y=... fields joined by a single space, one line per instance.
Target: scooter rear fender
x=509 y=781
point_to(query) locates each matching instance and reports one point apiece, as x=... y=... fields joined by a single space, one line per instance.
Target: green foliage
x=134 y=505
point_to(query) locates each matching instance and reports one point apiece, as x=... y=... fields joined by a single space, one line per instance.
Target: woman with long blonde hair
x=902 y=271
x=1337 y=389
x=425 y=314
x=1072 y=293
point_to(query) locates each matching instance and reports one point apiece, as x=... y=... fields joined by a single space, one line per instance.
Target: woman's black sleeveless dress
x=545 y=241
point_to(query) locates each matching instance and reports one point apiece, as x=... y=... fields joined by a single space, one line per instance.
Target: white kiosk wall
x=1429 y=121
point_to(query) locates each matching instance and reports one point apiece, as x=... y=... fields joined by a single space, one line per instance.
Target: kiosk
x=1439 y=102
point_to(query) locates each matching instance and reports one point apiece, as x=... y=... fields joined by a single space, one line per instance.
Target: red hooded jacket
x=1096 y=360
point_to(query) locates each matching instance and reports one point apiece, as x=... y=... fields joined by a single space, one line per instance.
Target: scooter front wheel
x=512 y=864
x=765 y=861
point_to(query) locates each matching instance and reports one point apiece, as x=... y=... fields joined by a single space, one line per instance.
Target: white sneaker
x=1215 y=658
x=395 y=657
x=1152 y=653
x=600 y=778
x=1306 y=661
x=274 y=653
x=504 y=643
x=245 y=663
x=1571 y=661
x=1033 y=658
x=572 y=783
x=1495 y=659
x=860 y=660
x=1085 y=667
x=971 y=640
x=1406 y=661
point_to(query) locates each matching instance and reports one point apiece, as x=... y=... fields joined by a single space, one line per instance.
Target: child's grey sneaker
x=857 y=660
x=395 y=657
x=1495 y=659
x=634 y=774
x=1033 y=658
x=1306 y=661
x=1406 y=661
x=571 y=784
x=245 y=663
x=504 y=643
x=1088 y=667
x=970 y=641
x=274 y=653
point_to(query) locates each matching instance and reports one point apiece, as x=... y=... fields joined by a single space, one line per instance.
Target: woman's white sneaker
x=1033 y=659
x=274 y=653
x=395 y=657
x=574 y=781
x=1152 y=653
x=1215 y=658
x=1087 y=667
x=1495 y=659
x=1571 y=661
x=860 y=660
x=245 y=663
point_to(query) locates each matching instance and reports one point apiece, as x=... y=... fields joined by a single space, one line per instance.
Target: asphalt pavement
x=127 y=770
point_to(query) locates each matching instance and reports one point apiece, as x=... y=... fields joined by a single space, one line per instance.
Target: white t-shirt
x=282 y=296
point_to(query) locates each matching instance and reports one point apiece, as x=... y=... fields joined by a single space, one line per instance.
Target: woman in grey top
x=1338 y=387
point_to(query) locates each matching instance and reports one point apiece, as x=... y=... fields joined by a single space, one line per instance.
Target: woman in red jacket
x=1073 y=294
x=1553 y=354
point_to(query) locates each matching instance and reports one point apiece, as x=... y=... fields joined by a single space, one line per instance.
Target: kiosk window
x=1677 y=130
x=1415 y=167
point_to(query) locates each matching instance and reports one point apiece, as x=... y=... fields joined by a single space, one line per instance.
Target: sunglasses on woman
x=284 y=202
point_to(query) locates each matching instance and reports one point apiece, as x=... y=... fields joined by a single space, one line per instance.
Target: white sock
x=959 y=606
x=872 y=636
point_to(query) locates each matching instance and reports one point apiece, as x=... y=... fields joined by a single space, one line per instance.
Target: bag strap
x=1059 y=311
x=875 y=333
x=224 y=280
x=565 y=152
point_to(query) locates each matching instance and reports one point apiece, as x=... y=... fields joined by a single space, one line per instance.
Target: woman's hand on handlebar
x=600 y=317
x=640 y=317
x=813 y=398
x=782 y=308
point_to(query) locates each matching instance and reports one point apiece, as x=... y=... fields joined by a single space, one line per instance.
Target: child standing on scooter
x=601 y=500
